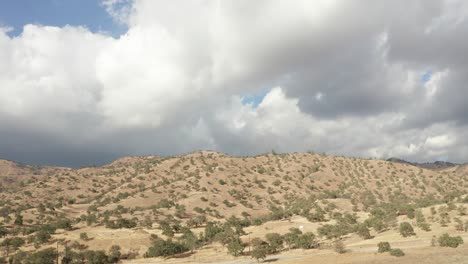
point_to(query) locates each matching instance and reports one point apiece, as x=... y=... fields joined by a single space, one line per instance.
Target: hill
x=135 y=201
x=436 y=165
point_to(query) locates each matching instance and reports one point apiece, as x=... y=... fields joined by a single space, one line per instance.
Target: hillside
x=128 y=200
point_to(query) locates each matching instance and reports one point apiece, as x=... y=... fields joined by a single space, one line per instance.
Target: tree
x=95 y=257
x=19 y=257
x=42 y=236
x=19 y=219
x=292 y=237
x=197 y=221
x=67 y=255
x=114 y=254
x=235 y=247
x=260 y=249
x=3 y=231
x=14 y=242
x=190 y=240
x=148 y=223
x=275 y=242
x=166 y=229
x=211 y=230
x=363 y=231
x=406 y=229
x=383 y=247
x=226 y=236
x=161 y=247
x=447 y=241
x=45 y=256
x=84 y=236
x=306 y=241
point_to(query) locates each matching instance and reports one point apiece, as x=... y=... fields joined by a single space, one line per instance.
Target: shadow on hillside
x=270 y=260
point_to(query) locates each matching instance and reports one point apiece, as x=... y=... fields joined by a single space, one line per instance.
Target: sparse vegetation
x=450 y=241
x=397 y=252
x=406 y=229
x=206 y=200
x=383 y=247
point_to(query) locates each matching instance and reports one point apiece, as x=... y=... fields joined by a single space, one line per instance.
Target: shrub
x=339 y=247
x=42 y=236
x=13 y=242
x=406 y=229
x=121 y=223
x=45 y=256
x=19 y=220
x=84 y=236
x=397 y=252
x=3 y=231
x=92 y=256
x=19 y=257
x=162 y=247
x=363 y=231
x=235 y=247
x=306 y=241
x=383 y=247
x=291 y=239
x=190 y=240
x=114 y=254
x=275 y=242
x=260 y=249
x=211 y=230
x=447 y=241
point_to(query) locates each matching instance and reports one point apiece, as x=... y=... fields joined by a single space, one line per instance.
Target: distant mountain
x=437 y=165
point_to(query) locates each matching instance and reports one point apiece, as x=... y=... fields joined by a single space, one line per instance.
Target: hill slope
x=213 y=186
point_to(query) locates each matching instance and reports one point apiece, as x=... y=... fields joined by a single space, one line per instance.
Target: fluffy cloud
x=353 y=78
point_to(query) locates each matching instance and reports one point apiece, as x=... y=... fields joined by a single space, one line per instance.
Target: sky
x=86 y=82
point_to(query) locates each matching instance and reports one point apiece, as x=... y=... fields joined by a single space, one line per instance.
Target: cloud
x=119 y=10
x=242 y=77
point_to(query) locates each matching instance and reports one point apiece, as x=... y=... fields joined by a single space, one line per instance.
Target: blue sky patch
x=426 y=76
x=88 y=13
x=255 y=99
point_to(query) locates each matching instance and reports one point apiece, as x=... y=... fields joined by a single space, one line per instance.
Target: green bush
x=121 y=223
x=260 y=249
x=397 y=252
x=84 y=236
x=275 y=242
x=235 y=247
x=383 y=247
x=45 y=256
x=162 y=247
x=306 y=241
x=406 y=229
x=3 y=231
x=95 y=257
x=114 y=254
x=339 y=247
x=13 y=242
x=363 y=231
x=447 y=241
x=42 y=236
